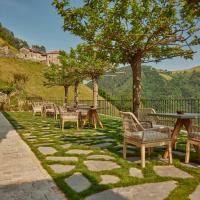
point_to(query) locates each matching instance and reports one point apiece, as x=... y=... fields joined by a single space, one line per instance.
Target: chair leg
x=170 y=152
x=149 y=151
x=77 y=125
x=61 y=124
x=143 y=155
x=187 y=155
x=124 y=149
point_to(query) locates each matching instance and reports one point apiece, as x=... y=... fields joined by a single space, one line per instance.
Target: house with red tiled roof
x=52 y=57
x=47 y=58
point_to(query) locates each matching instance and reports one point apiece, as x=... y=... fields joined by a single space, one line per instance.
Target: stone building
x=52 y=57
x=47 y=58
x=30 y=54
x=4 y=50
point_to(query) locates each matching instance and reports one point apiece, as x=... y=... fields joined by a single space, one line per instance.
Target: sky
x=37 y=22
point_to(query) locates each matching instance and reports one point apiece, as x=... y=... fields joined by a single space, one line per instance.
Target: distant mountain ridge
x=155 y=83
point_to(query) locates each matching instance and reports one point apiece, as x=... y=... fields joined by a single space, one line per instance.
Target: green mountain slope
x=34 y=86
x=155 y=84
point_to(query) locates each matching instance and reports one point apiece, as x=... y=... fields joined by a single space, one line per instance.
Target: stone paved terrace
x=21 y=175
x=84 y=166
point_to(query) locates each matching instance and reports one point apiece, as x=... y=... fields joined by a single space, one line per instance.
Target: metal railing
x=112 y=107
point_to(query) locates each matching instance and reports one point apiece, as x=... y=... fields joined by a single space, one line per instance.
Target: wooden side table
x=93 y=117
x=181 y=120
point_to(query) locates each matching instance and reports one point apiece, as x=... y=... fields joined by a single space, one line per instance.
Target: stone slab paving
x=78 y=151
x=171 y=171
x=128 y=152
x=47 y=150
x=178 y=153
x=148 y=191
x=66 y=146
x=78 y=182
x=135 y=172
x=21 y=174
x=107 y=179
x=102 y=145
x=97 y=165
x=109 y=140
x=196 y=194
x=98 y=137
x=57 y=168
x=136 y=160
x=104 y=157
x=62 y=158
x=192 y=165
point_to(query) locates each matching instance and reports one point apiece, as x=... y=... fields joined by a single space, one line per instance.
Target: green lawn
x=39 y=131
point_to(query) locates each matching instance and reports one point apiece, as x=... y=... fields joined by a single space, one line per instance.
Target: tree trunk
x=95 y=91
x=76 y=93
x=66 y=87
x=136 y=73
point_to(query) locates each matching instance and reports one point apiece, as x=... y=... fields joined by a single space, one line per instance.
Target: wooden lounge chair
x=193 y=138
x=135 y=134
x=37 y=107
x=66 y=116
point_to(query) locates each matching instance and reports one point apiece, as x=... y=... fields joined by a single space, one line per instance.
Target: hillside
x=34 y=86
x=155 y=84
x=11 y=48
x=196 y=68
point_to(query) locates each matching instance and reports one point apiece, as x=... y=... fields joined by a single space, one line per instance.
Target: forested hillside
x=155 y=83
x=8 y=38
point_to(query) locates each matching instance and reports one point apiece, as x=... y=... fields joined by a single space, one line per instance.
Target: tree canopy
x=134 y=32
x=10 y=38
x=39 y=48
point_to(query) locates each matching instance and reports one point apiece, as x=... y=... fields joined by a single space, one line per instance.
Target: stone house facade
x=4 y=50
x=52 y=57
x=47 y=58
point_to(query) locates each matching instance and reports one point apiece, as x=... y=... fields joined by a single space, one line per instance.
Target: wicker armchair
x=193 y=138
x=37 y=107
x=48 y=109
x=83 y=110
x=66 y=116
x=135 y=134
x=157 y=122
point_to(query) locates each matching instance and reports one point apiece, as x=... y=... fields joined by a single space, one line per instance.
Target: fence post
x=121 y=103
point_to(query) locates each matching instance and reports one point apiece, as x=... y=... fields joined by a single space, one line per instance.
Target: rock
x=196 y=194
x=59 y=158
x=171 y=171
x=101 y=157
x=148 y=191
x=192 y=165
x=66 y=146
x=102 y=145
x=94 y=165
x=57 y=168
x=47 y=150
x=107 y=179
x=78 y=182
x=78 y=151
x=135 y=172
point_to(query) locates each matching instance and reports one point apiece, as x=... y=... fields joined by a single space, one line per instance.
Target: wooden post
x=143 y=155
x=124 y=149
x=187 y=155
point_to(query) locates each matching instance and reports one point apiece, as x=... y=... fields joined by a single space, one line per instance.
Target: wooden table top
x=175 y=115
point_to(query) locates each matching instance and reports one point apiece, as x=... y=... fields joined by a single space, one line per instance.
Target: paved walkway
x=21 y=175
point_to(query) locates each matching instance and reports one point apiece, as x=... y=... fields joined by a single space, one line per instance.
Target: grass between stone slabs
x=38 y=131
